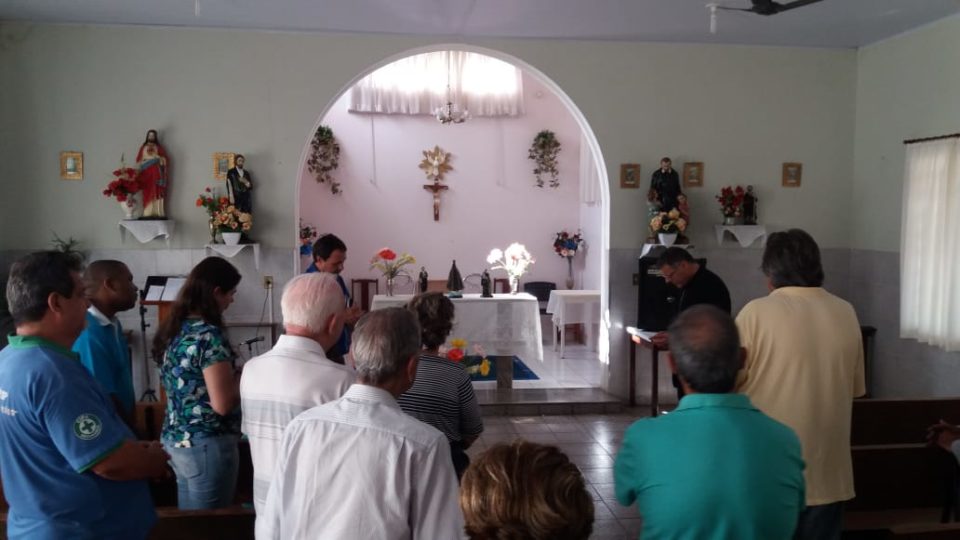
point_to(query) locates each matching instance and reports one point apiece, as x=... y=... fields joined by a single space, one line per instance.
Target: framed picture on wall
x=222 y=162
x=630 y=175
x=693 y=174
x=792 y=173
x=71 y=165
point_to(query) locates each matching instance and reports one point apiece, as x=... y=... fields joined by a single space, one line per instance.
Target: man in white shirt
x=295 y=375
x=359 y=467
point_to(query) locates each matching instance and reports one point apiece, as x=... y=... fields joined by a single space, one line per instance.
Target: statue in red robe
x=153 y=174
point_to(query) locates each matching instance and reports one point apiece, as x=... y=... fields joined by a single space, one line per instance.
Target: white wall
x=491 y=199
x=97 y=89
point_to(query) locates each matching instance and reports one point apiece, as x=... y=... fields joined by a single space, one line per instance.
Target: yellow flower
x=673 y=214
x=485 y=367
x=458 y=343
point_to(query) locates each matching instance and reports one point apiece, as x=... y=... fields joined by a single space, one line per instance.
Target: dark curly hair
x=435 y=313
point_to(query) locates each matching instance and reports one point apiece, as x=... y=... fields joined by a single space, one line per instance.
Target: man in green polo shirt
x=716 y=467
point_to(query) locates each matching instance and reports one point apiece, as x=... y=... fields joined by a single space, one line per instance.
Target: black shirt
x=667 y=186
x=704 y=287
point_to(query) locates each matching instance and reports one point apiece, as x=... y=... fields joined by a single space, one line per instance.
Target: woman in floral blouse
x=202 y=424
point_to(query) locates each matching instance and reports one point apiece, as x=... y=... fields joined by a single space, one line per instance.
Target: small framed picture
x=792 y=173
x=693 y=174
x=630 y=175
x=222 y=162
x=71 y=165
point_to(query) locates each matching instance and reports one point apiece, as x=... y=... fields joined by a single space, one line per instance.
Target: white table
x=507 y=324
x=573 y=307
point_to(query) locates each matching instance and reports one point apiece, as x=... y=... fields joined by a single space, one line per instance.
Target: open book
x=646 y=335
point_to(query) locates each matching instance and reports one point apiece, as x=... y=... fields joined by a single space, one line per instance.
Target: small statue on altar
x=422 y=281
x=665 y=186
x=454 y=282
x=240 y=185
x=749 y=207
x=153 y=170
x=485 y=285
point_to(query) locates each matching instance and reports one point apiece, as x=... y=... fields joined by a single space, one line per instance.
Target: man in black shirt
x=695 y=284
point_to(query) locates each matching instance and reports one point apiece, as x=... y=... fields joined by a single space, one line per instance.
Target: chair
x=436 y=285
x=541 y=291
x=501 y=285
x=471 y=283
x=365 y=296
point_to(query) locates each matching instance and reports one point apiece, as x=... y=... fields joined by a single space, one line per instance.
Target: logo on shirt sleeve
x=87 y=427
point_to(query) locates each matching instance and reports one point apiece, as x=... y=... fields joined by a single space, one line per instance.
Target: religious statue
x=665 y=186
x=240 y=186
x=485 y=285
x=153 y=170
x=422 y=280
x=749 y=207
x=454 y=282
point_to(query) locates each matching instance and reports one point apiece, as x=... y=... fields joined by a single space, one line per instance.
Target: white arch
x=590 y=137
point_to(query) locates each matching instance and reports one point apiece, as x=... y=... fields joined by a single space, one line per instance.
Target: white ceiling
x=830 y=23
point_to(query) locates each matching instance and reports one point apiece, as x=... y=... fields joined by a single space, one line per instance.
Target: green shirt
x=715 y=468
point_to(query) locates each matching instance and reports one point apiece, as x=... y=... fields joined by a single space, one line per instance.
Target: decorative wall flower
x=436 y=163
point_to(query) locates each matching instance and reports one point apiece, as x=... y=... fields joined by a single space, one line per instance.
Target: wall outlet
x=267 y=282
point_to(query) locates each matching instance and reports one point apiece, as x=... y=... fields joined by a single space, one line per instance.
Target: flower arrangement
x=566 y=244
x=514 y=260
x=478 y=363
x=668 y=222
x=324 y=158
x=124 y=184
x=389 y=263
x=308 y=233
x=209 y=201
x=231 y=219
x=731 y=201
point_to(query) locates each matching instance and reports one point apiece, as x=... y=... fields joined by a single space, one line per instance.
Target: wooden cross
x=436 y=188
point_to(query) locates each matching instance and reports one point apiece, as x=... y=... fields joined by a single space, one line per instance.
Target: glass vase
x=390 y=286
x=514 y=284
x=570 y=273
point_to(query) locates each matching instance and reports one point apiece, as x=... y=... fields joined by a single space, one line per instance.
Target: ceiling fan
x=760 y=7
x=769 y=7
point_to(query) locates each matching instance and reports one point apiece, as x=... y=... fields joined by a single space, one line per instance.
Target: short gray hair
x=383 y=341
x=705 y=346
x=310 y=299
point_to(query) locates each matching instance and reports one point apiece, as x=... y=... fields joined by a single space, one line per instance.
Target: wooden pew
x=234 y=523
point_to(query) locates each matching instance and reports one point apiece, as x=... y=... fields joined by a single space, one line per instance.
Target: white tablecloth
x=507 y=324
x=572 y=307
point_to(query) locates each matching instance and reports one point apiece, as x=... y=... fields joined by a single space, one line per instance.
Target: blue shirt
x=55 y=424
x=715 y=468
x=343 y=344
x=104 y=352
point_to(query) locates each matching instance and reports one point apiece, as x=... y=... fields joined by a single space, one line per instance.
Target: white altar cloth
x=572 y=307
x=507 y=324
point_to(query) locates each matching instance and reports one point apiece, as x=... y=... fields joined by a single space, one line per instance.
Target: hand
x=942 y=434
x=159 y=458
x=661 y=340
x=352 y=315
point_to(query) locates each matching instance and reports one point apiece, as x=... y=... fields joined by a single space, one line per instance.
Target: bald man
x=102 y=346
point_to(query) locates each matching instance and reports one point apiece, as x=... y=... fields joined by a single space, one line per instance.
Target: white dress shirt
x=275 y=387
x=360 y=468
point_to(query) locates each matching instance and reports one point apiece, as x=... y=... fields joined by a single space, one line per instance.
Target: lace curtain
x=930 y=244
x=418 y=85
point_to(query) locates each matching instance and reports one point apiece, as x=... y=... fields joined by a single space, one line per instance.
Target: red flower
x=199 y=201
x=387 y=254
x=455 y=355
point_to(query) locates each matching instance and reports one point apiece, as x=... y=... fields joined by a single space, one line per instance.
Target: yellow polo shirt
x=804 y=367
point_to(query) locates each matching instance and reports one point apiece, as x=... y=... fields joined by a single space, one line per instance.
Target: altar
x=507 y=324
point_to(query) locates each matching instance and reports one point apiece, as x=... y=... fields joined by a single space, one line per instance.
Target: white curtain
x=418 y=85
x=930 y=244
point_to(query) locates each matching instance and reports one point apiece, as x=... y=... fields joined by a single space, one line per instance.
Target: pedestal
x=145 y=230
x=744 y=234
x=232 y=251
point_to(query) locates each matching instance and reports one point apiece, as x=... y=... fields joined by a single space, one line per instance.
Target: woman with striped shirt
x=442 y=394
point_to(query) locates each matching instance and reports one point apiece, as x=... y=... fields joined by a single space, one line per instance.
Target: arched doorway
x=588 y=140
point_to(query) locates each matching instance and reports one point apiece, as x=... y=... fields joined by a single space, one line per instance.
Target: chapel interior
x=811 y=108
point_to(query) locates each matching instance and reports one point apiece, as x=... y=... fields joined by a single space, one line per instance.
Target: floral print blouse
x=189 y=414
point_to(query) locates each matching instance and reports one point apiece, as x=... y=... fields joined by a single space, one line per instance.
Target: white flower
x=494 y=256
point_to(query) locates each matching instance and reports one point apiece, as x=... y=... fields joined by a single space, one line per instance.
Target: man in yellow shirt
x=804 y=366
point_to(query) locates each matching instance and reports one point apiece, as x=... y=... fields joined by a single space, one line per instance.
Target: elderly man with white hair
x=359 y=467
x=296 y=374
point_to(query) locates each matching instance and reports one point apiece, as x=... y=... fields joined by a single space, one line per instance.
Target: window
x=930 y=244
x=420 y=84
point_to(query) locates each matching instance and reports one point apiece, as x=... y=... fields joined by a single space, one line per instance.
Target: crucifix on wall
x=436 y=188
x=435 y=164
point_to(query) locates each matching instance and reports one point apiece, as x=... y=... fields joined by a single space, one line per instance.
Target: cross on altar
x=436 y=188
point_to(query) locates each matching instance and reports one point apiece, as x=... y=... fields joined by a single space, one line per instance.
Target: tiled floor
x=591 y=441
x=580 y=368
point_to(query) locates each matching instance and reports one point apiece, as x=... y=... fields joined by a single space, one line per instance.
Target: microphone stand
x=148 y=394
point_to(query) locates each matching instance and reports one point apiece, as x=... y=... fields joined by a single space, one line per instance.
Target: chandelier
x=451 y=113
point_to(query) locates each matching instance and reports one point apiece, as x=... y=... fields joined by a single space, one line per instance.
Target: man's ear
x=330 y=325
x=55 y=303
x=412 y=367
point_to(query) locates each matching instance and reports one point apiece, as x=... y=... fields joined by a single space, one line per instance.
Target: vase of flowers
x=124 y=188
x=477 y=363
x=211 y=203
x=391 y=265
x=515 y=260
x=566 y=245
x=667 y=225
x=731 y=203
x=232 y=222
